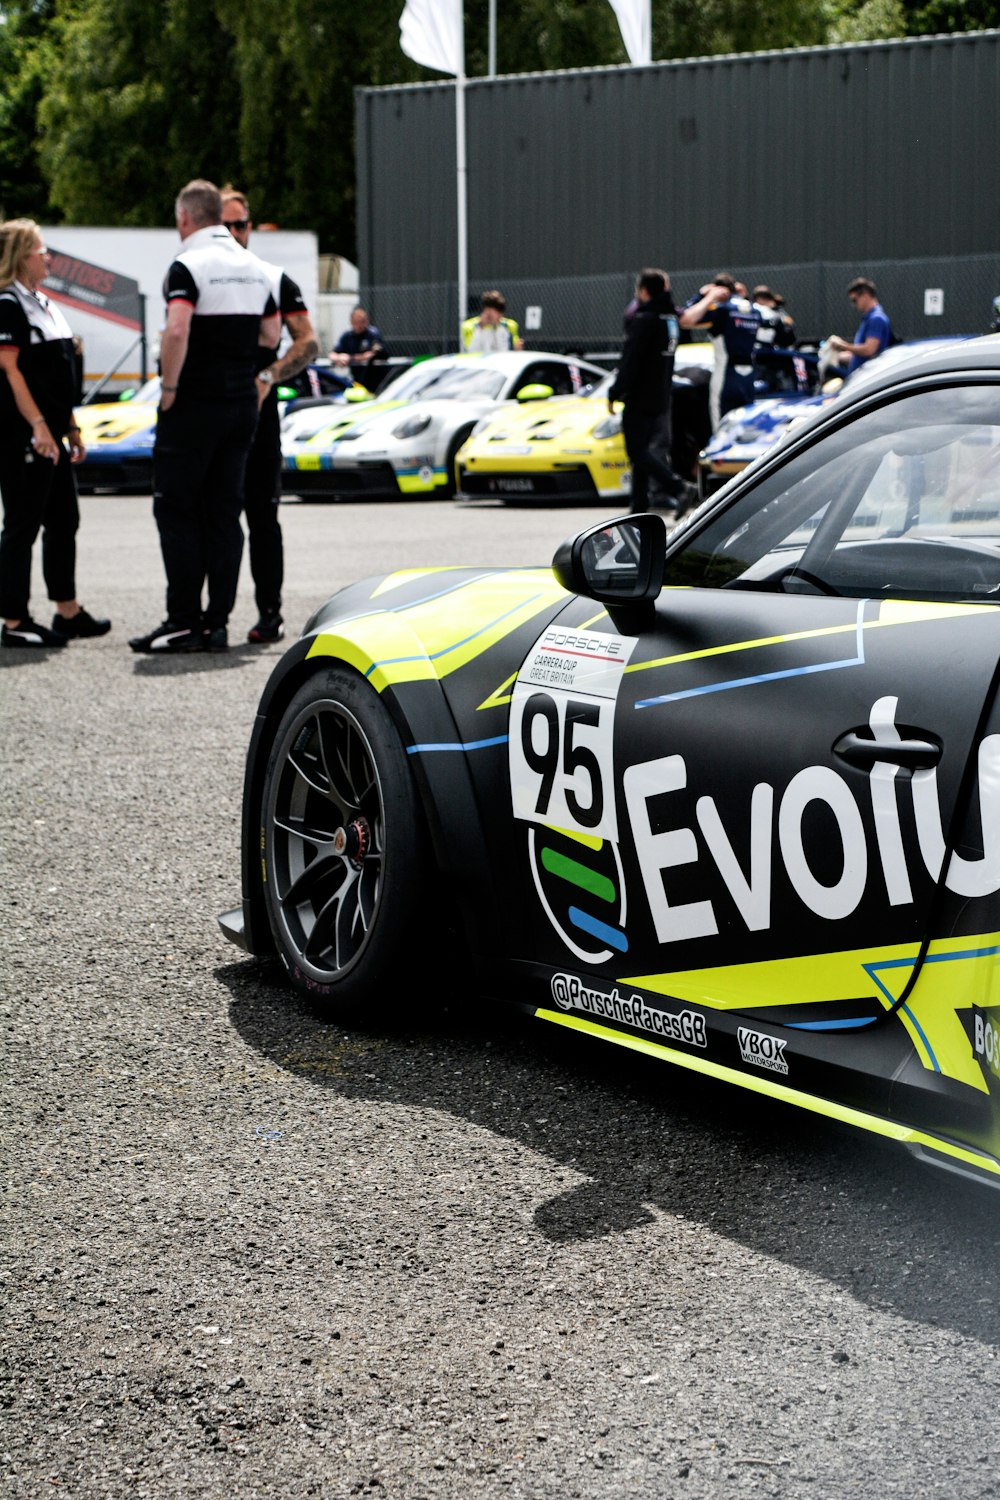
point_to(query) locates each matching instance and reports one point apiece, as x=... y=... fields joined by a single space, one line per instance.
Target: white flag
x=636 y=29
x=430 y=31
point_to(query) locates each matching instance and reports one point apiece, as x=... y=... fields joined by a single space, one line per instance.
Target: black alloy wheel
x=341 y=842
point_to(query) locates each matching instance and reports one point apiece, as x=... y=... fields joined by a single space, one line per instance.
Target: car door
x=745 y=798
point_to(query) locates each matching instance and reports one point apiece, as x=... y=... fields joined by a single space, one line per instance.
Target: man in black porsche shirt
x=262 y=487
x=219 y=312
x=644 y=383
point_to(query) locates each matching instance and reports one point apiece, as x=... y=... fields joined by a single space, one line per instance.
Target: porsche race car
x=747 y=432
x=119 y=435
x=729 y=798
x=570 y=449
x=406 y=443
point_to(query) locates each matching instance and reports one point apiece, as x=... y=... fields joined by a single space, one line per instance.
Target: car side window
x=548 y=373
x=902 y=500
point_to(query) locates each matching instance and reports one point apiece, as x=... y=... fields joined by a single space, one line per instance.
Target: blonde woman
x=37 y=485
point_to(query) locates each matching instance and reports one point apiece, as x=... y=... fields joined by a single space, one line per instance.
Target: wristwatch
x=266 y=377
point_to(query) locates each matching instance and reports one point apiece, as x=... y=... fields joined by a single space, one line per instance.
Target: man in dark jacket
x=644 y=384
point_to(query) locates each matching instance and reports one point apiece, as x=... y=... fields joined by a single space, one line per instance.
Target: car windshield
x=451 y=382
x=901 y=501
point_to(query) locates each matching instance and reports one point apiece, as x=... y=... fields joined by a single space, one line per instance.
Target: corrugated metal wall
x=876 y=153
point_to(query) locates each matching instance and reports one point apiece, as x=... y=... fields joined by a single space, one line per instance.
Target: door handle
x=913 y=754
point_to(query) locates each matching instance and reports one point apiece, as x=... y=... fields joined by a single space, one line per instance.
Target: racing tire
x=344 y=885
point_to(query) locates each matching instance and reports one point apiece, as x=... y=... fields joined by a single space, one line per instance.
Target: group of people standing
x=362 y=349
x=216 y=454
x=746 y=331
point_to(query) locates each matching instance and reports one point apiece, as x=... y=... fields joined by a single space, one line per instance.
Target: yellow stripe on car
x=904 y=1134
x=443 y=632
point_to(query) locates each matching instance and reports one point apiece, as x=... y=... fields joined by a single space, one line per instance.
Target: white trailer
x=119 y=346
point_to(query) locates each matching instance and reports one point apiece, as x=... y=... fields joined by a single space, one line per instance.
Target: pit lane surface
x=251 y=1254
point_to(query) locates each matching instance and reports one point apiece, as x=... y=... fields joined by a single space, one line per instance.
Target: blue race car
x=748 y=432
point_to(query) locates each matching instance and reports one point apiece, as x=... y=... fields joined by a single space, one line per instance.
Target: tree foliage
x=140 y=98
x=872 y=21
x=944 y=16
x=108 y=106
x=703 y=28
x=23 y=55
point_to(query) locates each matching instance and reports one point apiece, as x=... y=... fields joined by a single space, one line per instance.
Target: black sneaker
x=217 y=639
x=168 y=639
x=267 y=628
x=30 y=633
x=79 y=626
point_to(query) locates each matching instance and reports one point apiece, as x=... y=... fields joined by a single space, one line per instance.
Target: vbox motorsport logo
x=762 y=1051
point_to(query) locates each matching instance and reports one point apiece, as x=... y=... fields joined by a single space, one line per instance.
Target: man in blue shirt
x=359 y=348
x=840 y=357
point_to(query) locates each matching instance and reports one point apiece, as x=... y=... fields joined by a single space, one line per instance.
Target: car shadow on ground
x=835 y=1202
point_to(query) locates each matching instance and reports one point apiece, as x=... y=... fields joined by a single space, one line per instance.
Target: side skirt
x=936 y=1150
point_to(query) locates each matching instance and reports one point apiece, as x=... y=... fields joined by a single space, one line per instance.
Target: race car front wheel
x=340 y=845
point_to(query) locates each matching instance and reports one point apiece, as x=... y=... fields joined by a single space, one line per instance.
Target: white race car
x=406 y=444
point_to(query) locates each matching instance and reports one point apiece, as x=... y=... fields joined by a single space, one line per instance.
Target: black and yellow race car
x=729 y=798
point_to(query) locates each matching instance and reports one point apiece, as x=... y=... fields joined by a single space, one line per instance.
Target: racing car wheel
x=340 y=837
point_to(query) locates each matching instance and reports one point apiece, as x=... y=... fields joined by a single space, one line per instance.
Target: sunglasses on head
x=240 y=224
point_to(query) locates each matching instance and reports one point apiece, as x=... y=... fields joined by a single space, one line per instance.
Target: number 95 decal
x=562 y=742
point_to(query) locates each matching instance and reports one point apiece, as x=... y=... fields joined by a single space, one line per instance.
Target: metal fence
x=584 y=313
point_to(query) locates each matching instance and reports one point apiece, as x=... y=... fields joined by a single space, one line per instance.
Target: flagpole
x=463 y=248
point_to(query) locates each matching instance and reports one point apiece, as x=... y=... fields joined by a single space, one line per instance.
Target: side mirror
x=535 y=393
x=616 y=562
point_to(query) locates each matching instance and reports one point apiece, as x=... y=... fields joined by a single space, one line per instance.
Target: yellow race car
x=570 y=449
x=118 y=437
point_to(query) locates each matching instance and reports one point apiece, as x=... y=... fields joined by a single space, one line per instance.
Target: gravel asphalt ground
x=251 y=1254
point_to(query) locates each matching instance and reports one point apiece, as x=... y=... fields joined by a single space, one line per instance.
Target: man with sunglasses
x=219 y=312
x=262 y=489
x=839 y=356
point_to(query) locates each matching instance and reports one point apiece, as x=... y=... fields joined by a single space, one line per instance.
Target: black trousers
x=37 y=496
x=641 y=430
x=261 y=497
x=199 y=462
